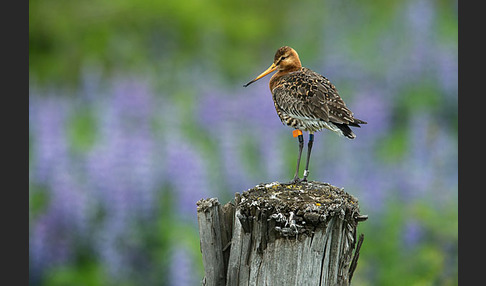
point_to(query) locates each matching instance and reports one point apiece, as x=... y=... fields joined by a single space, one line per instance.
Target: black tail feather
x=346 y=130
x=356 y=122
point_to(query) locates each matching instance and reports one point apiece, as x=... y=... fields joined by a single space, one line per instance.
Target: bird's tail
x=346 y=130
x=357 y=122
x=344 y=127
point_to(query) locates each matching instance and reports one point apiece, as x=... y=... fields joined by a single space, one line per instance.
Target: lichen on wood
x=298 y=208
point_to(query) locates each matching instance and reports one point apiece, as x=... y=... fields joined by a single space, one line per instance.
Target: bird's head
x=286 y=60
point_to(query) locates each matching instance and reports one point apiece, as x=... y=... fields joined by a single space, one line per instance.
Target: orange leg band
x=296 y=133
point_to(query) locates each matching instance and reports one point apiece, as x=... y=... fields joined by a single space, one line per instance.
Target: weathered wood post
x=281 y=234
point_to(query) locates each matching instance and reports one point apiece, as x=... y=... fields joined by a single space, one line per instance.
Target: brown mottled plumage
x=306 y=100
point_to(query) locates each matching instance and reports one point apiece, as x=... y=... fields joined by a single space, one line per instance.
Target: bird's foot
x=295 y=180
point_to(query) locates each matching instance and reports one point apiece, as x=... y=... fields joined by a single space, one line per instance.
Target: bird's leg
x=309 y=148
x=298 y=133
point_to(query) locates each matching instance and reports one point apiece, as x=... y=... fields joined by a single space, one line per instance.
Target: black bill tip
x=245 y=85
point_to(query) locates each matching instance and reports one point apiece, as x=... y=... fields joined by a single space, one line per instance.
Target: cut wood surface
x=281 y=234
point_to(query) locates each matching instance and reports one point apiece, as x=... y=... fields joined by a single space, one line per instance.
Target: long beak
x=272 y=68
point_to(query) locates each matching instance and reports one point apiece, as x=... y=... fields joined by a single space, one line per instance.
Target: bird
x=306 y=101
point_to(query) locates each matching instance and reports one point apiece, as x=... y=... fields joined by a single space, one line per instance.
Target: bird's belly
x=306 y=123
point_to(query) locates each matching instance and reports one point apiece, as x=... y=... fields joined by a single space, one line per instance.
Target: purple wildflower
x=374 y=107
x=48 y=127
x=412 y=234
x=50 y=242
x=186 y=172
x=447 y=72
x=181 y=272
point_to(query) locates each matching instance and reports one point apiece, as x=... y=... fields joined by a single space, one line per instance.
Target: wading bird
x=306 y=101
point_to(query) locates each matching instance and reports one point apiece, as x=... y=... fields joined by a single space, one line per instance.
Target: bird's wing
x=308 y=94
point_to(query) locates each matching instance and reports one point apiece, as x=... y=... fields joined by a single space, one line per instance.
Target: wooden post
x=281 y=234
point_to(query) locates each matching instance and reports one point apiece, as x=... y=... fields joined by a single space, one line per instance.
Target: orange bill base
x=296 y=133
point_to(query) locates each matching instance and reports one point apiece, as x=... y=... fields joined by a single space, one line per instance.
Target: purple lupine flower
x=237 y=178
x=185 y=169
x=48 y=127
x=91 y=83
x=133 y=99
x=123 y=170
x=447 y=71
x=374 y=107
x=69 y=199
x=259 y=118
x=50 y=242
x=444 y=165
x=412 y=234
x=420 y=16
x=56 y=230
x=110 y=246
x=329 y=159
x=187 y=173
x=272 y=155
x=255 y=117
x=181 y=272
x=46 y=124
x=217 y=116
x=123 y=162
x=417 y=163
x=420 y=19
x=231 y=118
x=212 y=111
x=424 y=167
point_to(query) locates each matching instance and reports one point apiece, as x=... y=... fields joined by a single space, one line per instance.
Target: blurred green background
x=137 y=110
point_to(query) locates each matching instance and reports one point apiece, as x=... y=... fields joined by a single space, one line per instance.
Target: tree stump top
x=298 y=208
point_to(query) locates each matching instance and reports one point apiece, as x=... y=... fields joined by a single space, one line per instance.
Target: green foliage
x=82 y=130
x=38 y=201
x=385 y=256
x=393 y=146
x=88 y=273
x=131 y=34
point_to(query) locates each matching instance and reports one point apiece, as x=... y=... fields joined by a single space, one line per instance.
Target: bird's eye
x=283 y=58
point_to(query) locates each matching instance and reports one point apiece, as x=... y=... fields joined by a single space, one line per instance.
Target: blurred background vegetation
x=137 y=110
